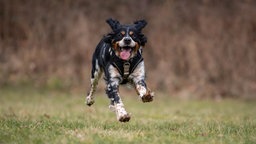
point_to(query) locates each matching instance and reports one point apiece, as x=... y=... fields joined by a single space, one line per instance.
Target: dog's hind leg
x=95 y=76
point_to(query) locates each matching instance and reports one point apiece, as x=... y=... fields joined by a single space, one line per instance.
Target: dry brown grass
x=203 y=48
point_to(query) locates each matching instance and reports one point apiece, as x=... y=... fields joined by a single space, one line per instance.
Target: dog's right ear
x=114 y=24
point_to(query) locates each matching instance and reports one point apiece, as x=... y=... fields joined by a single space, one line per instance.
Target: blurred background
x=201 y=49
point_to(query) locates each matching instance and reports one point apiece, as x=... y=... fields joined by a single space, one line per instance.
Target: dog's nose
x=127 y=41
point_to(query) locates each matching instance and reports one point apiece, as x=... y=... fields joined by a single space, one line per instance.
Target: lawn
x=29 y=115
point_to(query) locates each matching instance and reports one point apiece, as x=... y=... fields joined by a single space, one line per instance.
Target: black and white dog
x=119 y=57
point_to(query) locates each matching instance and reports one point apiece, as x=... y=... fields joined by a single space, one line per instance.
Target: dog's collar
x=125 y=68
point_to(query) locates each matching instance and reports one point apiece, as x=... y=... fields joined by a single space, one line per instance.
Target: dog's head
x=126 y=39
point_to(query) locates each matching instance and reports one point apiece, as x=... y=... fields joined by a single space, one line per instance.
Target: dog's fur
x=119 y=57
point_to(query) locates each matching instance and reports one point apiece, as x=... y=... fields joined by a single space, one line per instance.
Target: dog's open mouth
x=125 y=52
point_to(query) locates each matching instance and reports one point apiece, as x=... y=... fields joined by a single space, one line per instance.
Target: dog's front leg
x=112 y=90
x=145 y=94
x=138 y=77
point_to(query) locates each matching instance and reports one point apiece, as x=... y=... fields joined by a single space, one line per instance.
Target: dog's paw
x=89 y=101
x=121 y=114
x=125 y=118
x=147 y=97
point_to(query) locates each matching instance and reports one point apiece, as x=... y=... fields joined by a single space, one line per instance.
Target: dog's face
x=126 y=39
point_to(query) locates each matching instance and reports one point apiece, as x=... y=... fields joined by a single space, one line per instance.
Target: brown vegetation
x=203 y=48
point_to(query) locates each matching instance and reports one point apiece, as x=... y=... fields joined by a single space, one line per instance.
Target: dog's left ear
x=140 y=24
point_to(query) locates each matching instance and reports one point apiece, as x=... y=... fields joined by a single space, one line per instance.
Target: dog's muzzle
x=126 y=46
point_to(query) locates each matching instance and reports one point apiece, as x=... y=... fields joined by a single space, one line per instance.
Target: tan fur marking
x=137 y=46
x=123 y=32
x=131 y=33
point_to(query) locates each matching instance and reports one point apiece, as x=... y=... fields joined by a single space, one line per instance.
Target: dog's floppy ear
x=143 y=39
x=140 y=24
x=114 y=24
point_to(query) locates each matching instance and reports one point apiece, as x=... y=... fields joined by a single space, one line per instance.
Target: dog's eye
x=131 y=33
x=123 y=33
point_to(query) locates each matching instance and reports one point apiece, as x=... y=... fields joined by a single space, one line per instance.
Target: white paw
x=142 y=90
x=121 y=113
x=89 y=100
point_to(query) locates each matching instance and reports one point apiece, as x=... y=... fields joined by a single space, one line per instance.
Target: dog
x=119 y=56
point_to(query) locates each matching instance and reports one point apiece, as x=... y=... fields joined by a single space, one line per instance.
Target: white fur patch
x=139 y=73
x=141 y=89
x=120 y=111
x=114 y=74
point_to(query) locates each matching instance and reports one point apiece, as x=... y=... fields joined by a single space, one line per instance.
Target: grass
x=34 y=116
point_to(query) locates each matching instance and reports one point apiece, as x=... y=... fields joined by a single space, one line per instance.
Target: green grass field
x=33 y=116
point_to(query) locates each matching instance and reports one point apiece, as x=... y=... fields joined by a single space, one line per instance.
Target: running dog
x=119 y=56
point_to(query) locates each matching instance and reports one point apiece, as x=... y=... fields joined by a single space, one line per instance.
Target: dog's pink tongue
x=125 y=54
